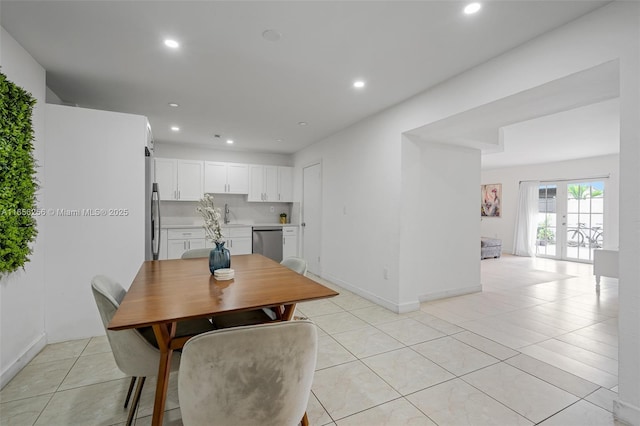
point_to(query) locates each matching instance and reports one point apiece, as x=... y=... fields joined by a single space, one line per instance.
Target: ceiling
x=576 y=116
x=231 y=81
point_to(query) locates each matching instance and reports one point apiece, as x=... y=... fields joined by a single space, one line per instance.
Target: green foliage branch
x=18 y=183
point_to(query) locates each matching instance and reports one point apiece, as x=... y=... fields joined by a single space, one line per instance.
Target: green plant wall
x=18 y=184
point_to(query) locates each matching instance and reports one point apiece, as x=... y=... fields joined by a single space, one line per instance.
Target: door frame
x=302 y=214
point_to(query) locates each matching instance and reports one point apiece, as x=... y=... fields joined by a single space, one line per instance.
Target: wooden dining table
x=165 y=292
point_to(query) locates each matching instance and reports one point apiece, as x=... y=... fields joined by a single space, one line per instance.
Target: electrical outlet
x=272 y=209
x=385 y=273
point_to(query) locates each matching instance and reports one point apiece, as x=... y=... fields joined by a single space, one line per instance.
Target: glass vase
x=219 y=257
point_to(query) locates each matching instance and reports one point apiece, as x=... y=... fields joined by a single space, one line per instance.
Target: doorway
x=311 y=216
x=570 y=219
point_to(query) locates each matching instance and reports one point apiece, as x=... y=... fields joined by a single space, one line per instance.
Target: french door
x=570 y=219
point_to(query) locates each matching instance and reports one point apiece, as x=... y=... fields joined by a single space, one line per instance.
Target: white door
x=311 y=216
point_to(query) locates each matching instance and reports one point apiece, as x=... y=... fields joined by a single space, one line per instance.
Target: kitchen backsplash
x=240 y=211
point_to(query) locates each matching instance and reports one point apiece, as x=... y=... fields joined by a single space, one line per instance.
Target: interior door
x=311 y=216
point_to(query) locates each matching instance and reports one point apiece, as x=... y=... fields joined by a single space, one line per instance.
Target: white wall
x=95 y=160
x=22 y=325
x=361 y=168
x=503 y=227
x=435 y=240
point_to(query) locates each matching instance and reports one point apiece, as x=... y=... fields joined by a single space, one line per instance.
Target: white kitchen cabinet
x=285 y=184
x=270 y=183
x=167 y=178
x=180 y=240
x=238 y=239
x=180 y=179
x=263 y=183
x=289 y=241
x=226 y=178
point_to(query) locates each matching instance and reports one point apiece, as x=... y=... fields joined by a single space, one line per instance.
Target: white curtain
x=524 y=241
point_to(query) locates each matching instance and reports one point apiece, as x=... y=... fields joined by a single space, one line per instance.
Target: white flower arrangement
x=211 y=216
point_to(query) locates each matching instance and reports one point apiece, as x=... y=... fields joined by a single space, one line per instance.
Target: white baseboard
x=450 y=293
x=23 y=359
x=626 y=413
x=398 y=308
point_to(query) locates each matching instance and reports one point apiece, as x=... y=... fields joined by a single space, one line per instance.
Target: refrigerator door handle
x=156 y=235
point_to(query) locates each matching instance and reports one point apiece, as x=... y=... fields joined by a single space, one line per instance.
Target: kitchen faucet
x=226 y=213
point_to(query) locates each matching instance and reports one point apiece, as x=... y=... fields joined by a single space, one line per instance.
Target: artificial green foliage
x=17 y=176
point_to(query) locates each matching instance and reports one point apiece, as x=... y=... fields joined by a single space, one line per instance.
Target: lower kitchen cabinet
x=289 y=241
x=238 y=239
x=180 y=240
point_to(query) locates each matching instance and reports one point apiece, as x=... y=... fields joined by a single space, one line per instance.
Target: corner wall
x=440 y=250
x=22 y=325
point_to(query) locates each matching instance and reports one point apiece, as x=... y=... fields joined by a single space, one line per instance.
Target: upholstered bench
x=490 y=247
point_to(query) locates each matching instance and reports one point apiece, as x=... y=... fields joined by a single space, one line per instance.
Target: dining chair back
x=296 y=264
x=196 y=253
x=258 y=374
x=135 y=356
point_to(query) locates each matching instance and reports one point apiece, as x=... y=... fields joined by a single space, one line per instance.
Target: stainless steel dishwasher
x=267 y=241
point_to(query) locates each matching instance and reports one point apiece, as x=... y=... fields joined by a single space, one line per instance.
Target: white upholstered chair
x=296 y=264
x=253 y=375
x=133 y=349
x=196 y=253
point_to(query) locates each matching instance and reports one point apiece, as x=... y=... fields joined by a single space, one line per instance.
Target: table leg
x=289 y=310
x=164 y=334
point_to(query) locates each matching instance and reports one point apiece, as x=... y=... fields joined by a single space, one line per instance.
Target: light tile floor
x=537 y=346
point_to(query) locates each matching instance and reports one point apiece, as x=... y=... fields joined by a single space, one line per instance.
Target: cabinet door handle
x=175 y=195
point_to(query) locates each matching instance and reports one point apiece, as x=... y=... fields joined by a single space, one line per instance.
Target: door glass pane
x=546 y=234
x=585 y=219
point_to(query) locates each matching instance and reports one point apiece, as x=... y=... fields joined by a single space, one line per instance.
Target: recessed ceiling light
x=171 y=43
x=358 y=84
x=229 y=141
x=472 y=8
x=271 y=35
x=175 y=128
x=173 y=105
x=302 y=123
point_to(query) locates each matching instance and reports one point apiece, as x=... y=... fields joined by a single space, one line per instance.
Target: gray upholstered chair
x=253 y=375
x=296 y=264
x=196 y=253
x=135 y=351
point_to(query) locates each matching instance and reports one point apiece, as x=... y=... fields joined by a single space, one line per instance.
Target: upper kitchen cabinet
x=263 y=183
x=270 y=183
x=285 y=184
x=180 y=179
x=226 y=178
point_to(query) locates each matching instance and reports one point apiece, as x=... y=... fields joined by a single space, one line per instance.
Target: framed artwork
x=490 y=200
